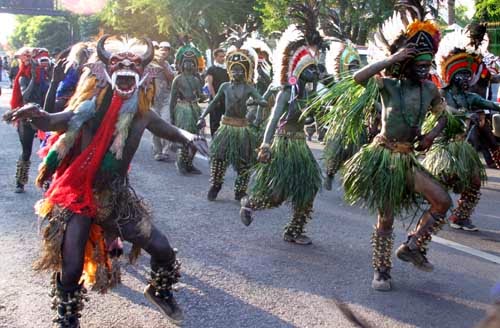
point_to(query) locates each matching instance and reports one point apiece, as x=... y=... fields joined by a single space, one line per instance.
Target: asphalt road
x=237 y=276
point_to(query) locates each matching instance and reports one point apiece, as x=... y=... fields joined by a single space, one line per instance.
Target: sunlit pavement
x=237 y=276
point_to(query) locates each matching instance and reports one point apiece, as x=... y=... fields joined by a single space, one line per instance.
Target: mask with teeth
x=125 y=69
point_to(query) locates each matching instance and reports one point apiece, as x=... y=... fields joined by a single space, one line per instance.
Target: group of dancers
x=93 y=107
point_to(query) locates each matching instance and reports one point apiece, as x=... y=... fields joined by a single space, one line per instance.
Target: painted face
x=188 y=66
x=238 y=73
x=419 y=70
x=310 y=74
x=461 y=80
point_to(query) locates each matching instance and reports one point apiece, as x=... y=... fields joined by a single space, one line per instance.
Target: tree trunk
x=451 y=12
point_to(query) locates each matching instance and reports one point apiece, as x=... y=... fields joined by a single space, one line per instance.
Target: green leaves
x=205 y=21
x=41 y=31
x=345 y=108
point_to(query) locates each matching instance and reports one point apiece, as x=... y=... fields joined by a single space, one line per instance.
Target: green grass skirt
x=339 y=149
x=455 y=164
x=378 y=178
x=293 y=174
x=236 y=145
x=186 y=116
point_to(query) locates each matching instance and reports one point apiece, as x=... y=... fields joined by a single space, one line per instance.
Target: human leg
x=68 y=294
x=165 y=269
x=294 y=231
x=218 y=169
x=382 y=242
x=460 y=217
x=241 y=182
x=255 y=203
x=431 y=221
x=26 y=136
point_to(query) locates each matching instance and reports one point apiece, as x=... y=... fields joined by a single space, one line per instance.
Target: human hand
x=199 y=144
x=264 y=154
x=58 y=70
x=404 y=53
x=30 y=110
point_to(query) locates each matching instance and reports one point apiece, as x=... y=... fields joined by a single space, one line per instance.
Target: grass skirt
x=379 y=178
x=456 y=164
x=186 y=116
x=236 y=145
x=292 y=175
x=339 y=149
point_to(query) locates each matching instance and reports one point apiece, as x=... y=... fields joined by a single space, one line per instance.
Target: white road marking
x=467 y=249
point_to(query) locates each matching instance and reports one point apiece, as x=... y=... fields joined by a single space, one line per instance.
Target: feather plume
x=331 y=26
x=306 y=16
x=280 y=58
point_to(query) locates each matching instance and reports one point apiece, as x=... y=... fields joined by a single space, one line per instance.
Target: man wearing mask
x=216 y=75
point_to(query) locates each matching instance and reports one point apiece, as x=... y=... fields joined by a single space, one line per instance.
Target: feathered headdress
x=299 y=43
x=477 y=35
x=410 y=24
x=241 y=54
x=264 y=54
x=455 y=55
x=341 y=52
x=188 y=51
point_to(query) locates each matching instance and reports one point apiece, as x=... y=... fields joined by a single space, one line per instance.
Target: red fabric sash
x=17 y=97
x=72 y=187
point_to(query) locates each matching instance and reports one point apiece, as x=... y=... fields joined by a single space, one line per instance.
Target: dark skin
x=419 y=95
x=236 y=93
x=78 y=227
x=460 y=101
x=186 y=87
x=57 y=76
x=293 y=124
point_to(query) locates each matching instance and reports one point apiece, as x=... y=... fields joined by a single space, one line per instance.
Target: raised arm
x=365 y=73
x=57 y=76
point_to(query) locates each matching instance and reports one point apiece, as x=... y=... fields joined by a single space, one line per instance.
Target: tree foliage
x=41 y=31
x=487 y=10
x=359 y=17
x=205 y=21
x=461 y=15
